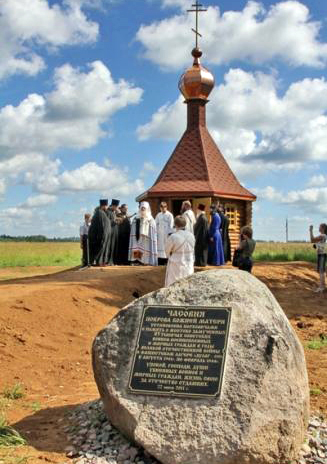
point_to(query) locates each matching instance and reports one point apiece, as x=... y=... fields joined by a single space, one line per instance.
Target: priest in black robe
x=112 y=212
x=124 y=231
x=224 y=231
x=201 y=229
x=99 y=235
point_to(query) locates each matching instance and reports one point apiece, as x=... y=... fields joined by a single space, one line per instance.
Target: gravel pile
x=95 y=441
x=315 y=448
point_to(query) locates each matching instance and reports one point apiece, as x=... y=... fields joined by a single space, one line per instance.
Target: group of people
x=112 y=237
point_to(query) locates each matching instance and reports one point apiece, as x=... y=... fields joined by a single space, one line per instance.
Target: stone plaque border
x=173 y=393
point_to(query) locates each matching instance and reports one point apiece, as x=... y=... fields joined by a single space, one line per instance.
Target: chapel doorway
x=176 y=207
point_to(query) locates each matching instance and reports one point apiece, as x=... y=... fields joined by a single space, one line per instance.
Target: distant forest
x=43 y=238
x=36 y=238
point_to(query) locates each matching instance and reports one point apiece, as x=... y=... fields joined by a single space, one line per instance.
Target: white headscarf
x=145 y=217
x=147 y=213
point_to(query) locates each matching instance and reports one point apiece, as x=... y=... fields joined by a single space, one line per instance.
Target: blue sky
x=89 y=105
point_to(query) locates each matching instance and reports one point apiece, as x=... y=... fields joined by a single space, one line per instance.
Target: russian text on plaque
x=180 y=351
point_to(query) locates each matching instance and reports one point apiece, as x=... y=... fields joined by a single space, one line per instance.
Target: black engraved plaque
x=180 y=351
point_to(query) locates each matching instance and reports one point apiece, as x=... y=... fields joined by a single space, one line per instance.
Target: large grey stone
x=262 y=413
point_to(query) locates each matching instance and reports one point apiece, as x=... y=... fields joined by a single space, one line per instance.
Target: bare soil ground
x=48 y=323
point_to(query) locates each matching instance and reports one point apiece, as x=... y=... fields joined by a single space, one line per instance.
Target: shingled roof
x=197 y=168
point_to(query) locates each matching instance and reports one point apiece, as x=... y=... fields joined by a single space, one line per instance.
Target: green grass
x=315 y=391
x=317 y=343
x=34 y=406
x=8 y=436
x=5 y=403
x=14 y=393
x=285 y=252
x=18 y=254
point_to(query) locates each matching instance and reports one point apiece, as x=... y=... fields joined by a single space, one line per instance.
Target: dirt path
x=48 y=323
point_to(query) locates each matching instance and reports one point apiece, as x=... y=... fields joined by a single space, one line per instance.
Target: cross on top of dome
x=197 y=9
x=197 y=82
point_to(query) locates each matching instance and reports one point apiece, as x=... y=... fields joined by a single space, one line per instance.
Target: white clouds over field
x=86 y=81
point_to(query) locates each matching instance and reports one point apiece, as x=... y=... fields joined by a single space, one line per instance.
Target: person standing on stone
x=99 y=235
x=180 y=252
x=143 y=239
x=124 y=231
x=246 y=247
x=112 y=212
x=224 y=230
x=188 y=214
x=165 y=225
x=201 y=232
x=216 y=251
x=83 y=233
x=321 y=247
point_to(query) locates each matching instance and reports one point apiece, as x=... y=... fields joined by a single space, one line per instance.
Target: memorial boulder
x=208 y=370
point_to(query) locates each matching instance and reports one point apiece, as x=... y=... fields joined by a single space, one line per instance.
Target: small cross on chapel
x=196 y=170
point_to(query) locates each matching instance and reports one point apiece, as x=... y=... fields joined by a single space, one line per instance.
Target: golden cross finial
x=197 y=9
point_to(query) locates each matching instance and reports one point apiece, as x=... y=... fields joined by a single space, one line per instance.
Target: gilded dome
x=197 y=81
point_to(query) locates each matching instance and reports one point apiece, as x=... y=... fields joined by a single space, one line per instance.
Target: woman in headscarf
x=216 y=250
x=143 y=239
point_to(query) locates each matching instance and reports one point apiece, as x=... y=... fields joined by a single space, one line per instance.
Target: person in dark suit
x=201 y=228
x=224 y=230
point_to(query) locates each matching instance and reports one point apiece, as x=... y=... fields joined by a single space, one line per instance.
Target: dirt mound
x=48 y=323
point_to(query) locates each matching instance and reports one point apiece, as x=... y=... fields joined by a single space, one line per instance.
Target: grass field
x=285 y=252
x=69 y=254
x=39 y=254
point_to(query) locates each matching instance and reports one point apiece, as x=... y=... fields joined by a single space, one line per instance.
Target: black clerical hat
x=104 y=202
x=115 y=202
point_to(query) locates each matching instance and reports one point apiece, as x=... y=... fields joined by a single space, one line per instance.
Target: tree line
x=36 y=238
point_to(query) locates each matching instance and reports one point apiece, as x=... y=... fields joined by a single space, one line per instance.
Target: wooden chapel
x=196 y=170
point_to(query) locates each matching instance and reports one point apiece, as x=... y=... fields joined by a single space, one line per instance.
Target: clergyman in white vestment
x=180 y=252
x=143 y=238
x=165 y=226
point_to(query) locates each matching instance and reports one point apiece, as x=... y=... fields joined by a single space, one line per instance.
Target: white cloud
x=183 y=4
x=70 y=116
x=92 y=177
x=168 y=122
x=39 y=200
x=19 y=168
x=269 y=193
x=19 y=213
x=237 y=35
x=254 y=125
x=300 y=219
x=313 y=200
x=149 y=166
x=28 y=23
x=29 y=212
x=317 y=180
x=89 y=177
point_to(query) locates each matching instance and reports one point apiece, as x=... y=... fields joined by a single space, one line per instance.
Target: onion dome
x=197 y=82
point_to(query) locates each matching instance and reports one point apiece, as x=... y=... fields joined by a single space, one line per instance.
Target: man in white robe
x=143 y=238
x=180 y=252
x=165 y=225
x=189 y=216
